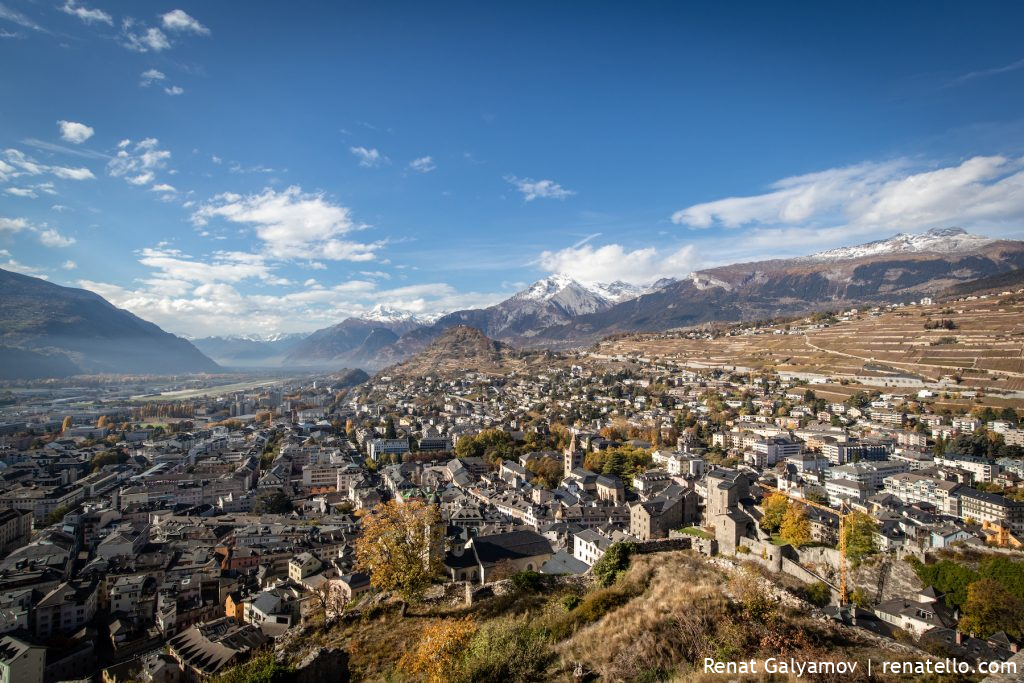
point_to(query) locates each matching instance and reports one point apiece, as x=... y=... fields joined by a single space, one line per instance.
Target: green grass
x=697 y=532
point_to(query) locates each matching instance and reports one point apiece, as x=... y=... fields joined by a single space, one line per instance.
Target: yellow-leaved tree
x=400 y=547
x=775 y=507
x=796 y=528
x=437 y=653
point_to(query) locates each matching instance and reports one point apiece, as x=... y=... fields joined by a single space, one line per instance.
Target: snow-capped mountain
x=572 y=294
x=564 y=292
x=935 y=241
x=382 y=313
x=618 y=291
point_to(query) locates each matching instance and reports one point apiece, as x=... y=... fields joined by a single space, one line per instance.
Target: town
x=172 y=538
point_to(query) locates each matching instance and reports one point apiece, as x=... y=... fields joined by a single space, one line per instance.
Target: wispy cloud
x=89 y=16
x=369 y=157
x=985 y=73
x=538 y=189
x=64 y=149
x=14 y=16
x=174 y=90
x=423 y=164
x=17 y=164
x=150 y=76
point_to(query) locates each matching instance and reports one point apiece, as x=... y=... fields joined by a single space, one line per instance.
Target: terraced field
x=981 y=348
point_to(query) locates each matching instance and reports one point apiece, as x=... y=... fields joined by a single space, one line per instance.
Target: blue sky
x=253 y=168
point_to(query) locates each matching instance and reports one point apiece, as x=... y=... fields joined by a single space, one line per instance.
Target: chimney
x=959 y=637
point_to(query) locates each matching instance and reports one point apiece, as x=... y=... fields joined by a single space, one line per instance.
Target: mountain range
x=559 y=312
x=47 y=330
x=58 y=326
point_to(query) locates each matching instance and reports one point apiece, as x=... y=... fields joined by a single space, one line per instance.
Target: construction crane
x=843 y=515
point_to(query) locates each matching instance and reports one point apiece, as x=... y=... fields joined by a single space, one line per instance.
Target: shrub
x=598 y=603
x=263 y=668
x=571 y=602
x=613 y=563
x=818 y=593
x=506 y=650
x=528 y=581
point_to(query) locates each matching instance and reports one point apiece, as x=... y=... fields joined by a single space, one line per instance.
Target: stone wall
x=664 y=545
x=323 y=665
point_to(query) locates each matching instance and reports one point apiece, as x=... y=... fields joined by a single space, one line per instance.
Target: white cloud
x=30 y=192
x=20 y=19
x=9 y=226
x=138 y=164
x=174 y=90
x=423 y=164
x=72 y=173
x=872 y=197
x=75 y=132
x=291 y=224
x=202 y=296
x=611 y=262
x=16 y=267
x=179 y=20
x=69 y=265
x=17 y=164
x=143 y=39
x=163 y=187
x=150 y=76
x=51 y=238
x=368 y=157
x=538 y=189
x=87 y=15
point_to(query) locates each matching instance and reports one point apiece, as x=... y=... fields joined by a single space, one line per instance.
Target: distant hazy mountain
x=353 y=342
x=249 y=351
x=57 y=331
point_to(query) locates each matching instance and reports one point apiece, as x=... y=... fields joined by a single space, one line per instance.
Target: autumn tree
x=796 y=528
x=102 y=422
x=991 y=607
x=546 y=471
x=775 y=507
x=859 y=536
x=398 y=547
x=328 y=602
x=65 y=425
x=441 y=645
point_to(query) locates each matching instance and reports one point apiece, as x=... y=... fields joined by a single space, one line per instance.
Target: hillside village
x=171 y=540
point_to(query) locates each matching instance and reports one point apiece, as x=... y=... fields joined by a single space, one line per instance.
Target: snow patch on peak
x=705 y=281
x=382 y=313
x=936 y=240
x=544 y=290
